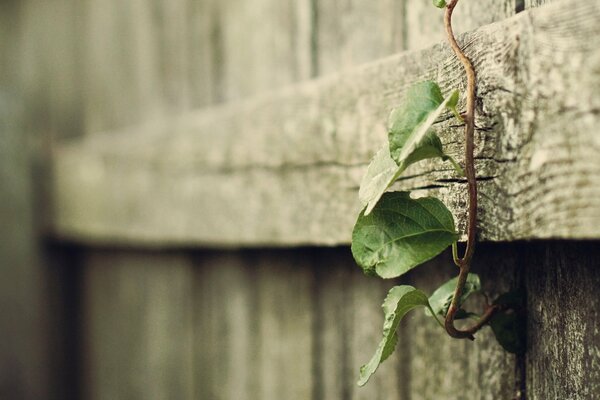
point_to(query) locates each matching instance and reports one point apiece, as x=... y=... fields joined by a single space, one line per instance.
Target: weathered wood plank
x=264 y=44
x=254 y=320
x=23 y=320
x=348 y=322
x=138 y=326
x=425 y=27
x=348 y=33
x=443 y=368
x=563 y=358
x=284 y=168
x=536 y=3
x=225 y=326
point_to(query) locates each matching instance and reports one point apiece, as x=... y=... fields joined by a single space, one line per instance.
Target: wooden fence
x=179 y=183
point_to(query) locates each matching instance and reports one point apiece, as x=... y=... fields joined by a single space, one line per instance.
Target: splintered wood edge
x=284 y=168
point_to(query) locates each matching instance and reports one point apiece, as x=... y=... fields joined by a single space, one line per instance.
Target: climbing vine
x=395 y=233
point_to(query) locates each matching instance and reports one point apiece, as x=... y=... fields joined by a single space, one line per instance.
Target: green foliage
x=439 y=3
x=410 y=136
x=399 y=301
x=382 y=172
x=442 y=297
x=401 y=233
x=395 y=233
x=411 y=139
x=509 y=325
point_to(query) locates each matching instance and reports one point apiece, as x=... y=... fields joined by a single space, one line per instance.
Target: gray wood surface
x=138 y=326
x=348 y=33
x=442 y=368
x=290 y=324
x=23 y=350
x=284 y=168
x=425 y=26
x=563 y=359
x=536 y=3
x=264 y=315
x=25 y=323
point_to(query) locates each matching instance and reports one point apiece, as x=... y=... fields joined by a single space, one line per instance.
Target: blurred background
x=116 y=320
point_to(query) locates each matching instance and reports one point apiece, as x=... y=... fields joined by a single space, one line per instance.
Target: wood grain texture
x=425 y=26
x=138 y=326
x=254 y=325
x=444 y=368
x=263 y=316
x=266 y=44
x=563 y=359
x=349 y=321
x=348 y=32
x=23 y=322
x=285 y=168
x=226 y=316
x=536 y=3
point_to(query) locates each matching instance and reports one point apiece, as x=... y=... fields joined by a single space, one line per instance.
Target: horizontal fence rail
x=284 y=168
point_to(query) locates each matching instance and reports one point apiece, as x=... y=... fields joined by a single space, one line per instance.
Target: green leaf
x=399 y=301
x=410 y=135
x=439 y=3
x=452 y=103
x=382 y=172
x=442 y=297
x=408 y=129
x=401 y=233
x=509 y=330
x=509 y=326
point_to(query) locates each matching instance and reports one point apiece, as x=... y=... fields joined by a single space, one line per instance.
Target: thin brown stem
x=469 y=118
x=464 y=263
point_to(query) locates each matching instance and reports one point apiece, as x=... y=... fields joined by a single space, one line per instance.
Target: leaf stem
x=464 y=263
x=456 y=165
x=455 y=254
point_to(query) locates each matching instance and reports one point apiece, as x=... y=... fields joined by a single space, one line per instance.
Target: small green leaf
x=382 y=172
x=512 y=299
x=439 y=3
x=401 y=233
x=509 y=330
x=408 y=129
x=452 y=103
x=442 y=297
x=509 y=326
x=410 y=135
x=399 y=301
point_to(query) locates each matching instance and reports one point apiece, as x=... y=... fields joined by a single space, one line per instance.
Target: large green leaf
x=442 y=297
x=399 y=301
x=401 y=233
x=410 y=136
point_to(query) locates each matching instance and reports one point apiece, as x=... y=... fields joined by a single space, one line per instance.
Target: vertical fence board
x=563 y=359
x=285 y=325
x=349 y=320
x=23 y=355
x=138 y=328
x=425 y=26
x=446 y=368
x=348 y=33
x=225 y=326
x=254 y=325
x=264 y=44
